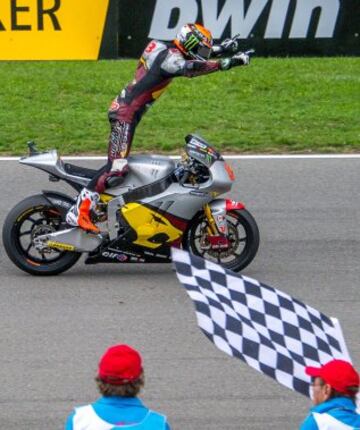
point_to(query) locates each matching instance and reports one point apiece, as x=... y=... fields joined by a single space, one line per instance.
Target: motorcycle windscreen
x=196 y=147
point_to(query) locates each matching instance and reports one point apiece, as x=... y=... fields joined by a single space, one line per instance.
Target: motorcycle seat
x=83 y=172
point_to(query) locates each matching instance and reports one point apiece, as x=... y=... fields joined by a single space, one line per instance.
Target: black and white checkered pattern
x=271 y=331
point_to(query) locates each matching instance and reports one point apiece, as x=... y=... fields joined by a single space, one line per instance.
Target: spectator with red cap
x=119 y=379
x=334 y=389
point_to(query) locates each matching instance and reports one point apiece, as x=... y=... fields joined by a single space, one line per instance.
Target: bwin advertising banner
x=92 y=29
x=272 y=27
x=57 y=29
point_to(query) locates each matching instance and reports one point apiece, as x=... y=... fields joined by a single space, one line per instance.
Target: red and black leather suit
x=158 y=65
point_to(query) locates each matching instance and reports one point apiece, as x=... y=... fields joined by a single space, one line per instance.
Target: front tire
x=243 y=235
x=35 y=216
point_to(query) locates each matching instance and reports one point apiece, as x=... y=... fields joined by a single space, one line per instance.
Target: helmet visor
x=204 y=52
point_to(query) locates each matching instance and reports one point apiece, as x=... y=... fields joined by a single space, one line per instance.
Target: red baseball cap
x=119 y=365
x=339 y=374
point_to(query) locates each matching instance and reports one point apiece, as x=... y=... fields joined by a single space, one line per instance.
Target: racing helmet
x=195 y=41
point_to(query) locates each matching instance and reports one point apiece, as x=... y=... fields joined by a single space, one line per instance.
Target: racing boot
x=79 y=214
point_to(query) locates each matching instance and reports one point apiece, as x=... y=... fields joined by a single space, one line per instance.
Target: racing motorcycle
x=159 y=204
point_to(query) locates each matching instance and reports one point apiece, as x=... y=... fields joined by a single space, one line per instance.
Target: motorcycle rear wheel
x=243 y=235
x=35 y=216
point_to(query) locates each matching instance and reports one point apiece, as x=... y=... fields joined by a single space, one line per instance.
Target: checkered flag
x=271 y=331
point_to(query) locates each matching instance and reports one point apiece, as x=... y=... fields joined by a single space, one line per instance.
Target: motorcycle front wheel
x=32 y=217
x=243 y=234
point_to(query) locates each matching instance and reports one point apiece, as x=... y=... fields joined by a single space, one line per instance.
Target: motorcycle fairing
x=50 y=162
x=178 y=201
x=148 y=190
x=130 y=248
x=143 y=170
x=152 y=228
x=233 y=205
x=125 y=252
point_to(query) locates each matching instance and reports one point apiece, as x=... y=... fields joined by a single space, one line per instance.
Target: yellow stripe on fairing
x=147 y=223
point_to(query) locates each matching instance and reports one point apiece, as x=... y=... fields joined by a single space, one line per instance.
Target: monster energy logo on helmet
x=191 y=42
x=194 y=40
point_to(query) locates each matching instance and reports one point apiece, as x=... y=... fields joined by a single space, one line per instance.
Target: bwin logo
x=243 y=20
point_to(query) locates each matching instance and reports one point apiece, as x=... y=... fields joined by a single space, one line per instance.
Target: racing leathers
x=158 y=65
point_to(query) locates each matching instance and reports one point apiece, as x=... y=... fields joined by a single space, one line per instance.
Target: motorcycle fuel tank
x=145 y=169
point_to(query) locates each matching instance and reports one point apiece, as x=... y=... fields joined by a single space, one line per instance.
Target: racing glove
x=239 y=59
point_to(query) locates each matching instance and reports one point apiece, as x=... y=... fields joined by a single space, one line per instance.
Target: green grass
x=273 y=106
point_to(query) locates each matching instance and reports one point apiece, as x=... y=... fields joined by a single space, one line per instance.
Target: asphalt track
x=53 y=330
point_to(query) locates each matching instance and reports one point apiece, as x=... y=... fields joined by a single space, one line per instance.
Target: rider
x=188 y=55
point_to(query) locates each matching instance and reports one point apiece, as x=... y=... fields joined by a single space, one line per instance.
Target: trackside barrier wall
x=272 y=27
x=58 y=29
x=83 y=29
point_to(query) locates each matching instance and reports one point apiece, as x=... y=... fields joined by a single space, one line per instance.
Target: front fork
x=217 y=229
x=215 y=213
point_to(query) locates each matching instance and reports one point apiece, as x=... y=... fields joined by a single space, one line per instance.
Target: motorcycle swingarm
x=72 y=239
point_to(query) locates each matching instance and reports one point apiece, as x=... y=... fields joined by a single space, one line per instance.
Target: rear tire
x=242 y=230
x=34 y=216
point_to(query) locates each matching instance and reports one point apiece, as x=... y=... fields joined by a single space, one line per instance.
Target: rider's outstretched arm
x=175 y=65
x=193 y=68
x=198 y=68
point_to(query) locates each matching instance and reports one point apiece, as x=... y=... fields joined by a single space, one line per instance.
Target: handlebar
x=190 y=168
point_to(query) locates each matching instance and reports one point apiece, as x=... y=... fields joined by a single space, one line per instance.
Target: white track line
x=229 y=157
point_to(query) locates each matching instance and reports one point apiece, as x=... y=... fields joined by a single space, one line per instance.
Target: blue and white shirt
x=122 y=413
x=335 y=414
